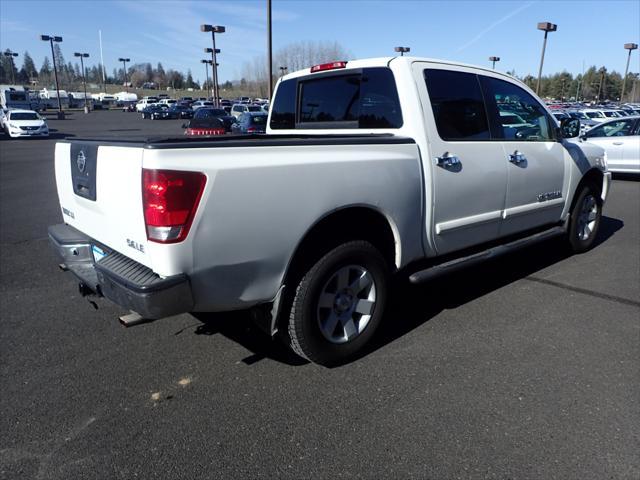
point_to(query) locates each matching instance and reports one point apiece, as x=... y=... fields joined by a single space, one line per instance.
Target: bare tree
x=294 y=56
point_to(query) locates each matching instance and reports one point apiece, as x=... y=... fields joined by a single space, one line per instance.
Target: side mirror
x=570 y=127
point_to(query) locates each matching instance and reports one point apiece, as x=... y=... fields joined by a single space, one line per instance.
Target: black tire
x=305 y=334
x=585 y=219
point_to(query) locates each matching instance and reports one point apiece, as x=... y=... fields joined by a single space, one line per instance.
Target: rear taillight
x=251 y=130
x=170 y=199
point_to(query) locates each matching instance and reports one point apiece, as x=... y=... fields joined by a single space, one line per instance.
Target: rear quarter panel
x=259 y=203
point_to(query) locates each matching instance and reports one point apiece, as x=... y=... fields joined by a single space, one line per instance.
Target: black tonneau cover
x=245 y=141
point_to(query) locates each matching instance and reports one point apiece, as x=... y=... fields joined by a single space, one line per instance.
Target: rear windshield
x=206 y=122
x=18 y=96
x=357 y=99
x=259 y=119
x=24 y=116
x=209 y=113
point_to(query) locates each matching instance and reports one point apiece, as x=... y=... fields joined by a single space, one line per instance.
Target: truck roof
x=385 y=61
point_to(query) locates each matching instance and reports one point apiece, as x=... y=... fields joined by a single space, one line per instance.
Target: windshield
x=611 y=114
x=254 y=108
x=24 y=116
x=594 y=114
x=18 y=96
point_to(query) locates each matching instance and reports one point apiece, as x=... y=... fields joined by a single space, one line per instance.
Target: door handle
x=618 y=143
x=517 y=158
x=447 y=160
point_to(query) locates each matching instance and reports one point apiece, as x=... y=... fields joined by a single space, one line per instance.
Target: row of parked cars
x=204 y=117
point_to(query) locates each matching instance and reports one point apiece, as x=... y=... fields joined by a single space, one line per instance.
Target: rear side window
x=283 y=111
x=357 y=99
x=458 y=105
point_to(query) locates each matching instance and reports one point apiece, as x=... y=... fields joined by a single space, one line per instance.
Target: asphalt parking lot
x=523 y=367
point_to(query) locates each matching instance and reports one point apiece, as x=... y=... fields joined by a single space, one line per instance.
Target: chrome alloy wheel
x=587 y=217
x=346 y=304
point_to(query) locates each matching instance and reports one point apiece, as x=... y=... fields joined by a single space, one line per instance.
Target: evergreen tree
x=46 y=73
x=190 y=83
x=57 y=53
x=29 y=66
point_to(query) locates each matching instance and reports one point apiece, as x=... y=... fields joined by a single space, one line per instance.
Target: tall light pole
x=206 y=72
x=630 y=47
x=603 y=71
x=402 y=50
x=51 y=39
x=269 y=50
x=124 y=66
x=546 y=27
x=283 y=71
x=214 y=29
x=12 y=55
x=214 y=72
x=493 y=61
x=84 y=78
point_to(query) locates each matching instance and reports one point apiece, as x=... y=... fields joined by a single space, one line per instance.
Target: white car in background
x=620 y=138
x=25 y=123
x=240 y=108
x=598 y=115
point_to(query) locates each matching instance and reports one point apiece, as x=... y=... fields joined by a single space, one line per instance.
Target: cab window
x=517 y=115
x=457 y=104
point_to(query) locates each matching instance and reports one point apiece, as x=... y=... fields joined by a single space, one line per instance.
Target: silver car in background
x=620 y=138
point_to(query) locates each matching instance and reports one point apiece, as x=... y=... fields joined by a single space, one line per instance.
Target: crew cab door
x=534 y=158
x=467 y=172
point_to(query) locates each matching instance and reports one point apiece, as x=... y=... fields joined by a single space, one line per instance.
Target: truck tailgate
x=100 y=194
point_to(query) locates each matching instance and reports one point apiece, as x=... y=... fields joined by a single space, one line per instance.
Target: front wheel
x=585 y=219
x=339 y=303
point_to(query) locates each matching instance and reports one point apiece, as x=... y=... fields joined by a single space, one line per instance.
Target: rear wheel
x=585 y=219
x=339 y=303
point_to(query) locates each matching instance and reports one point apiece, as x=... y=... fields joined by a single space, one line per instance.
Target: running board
x=494 y=252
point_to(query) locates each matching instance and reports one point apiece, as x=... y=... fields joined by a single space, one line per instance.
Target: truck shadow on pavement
x=408 y=308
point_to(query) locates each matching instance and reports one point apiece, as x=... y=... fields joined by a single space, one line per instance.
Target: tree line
x=70 y=74
x=596 y=83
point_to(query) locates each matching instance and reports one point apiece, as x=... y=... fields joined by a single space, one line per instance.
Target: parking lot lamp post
x=402 y=50
x=493 y=61
x=214 y=71
x=630 y=47
x=602 y=73
x=51 y=39
x=124 y=66
x=283 y=71
x=546 y=27
x=214 y=29
x=9 y=53
x=84 y=78
x=206 y=72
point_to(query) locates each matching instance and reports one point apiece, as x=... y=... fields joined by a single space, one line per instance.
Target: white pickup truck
x=368 y=168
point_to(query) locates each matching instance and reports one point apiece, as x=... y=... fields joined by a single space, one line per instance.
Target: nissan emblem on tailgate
x=81 y=161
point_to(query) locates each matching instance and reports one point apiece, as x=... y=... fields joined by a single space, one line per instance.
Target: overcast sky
x=592 y=32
